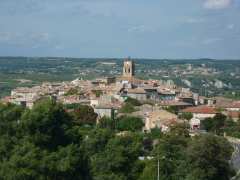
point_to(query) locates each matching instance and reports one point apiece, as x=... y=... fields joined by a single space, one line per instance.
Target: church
x=128 y=68
x=128 y=73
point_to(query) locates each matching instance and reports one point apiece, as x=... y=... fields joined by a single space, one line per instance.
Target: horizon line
x=120 y=58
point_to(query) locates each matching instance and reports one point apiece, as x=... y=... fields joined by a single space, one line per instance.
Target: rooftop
x=201 y=110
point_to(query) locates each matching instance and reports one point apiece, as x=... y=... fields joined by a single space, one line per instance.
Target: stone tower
x=128 y=68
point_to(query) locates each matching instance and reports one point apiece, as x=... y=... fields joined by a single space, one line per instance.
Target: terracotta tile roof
x=233 y=104
x=234 y=114
x=201 y=110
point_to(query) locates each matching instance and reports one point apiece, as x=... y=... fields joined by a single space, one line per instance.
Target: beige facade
x=128 y=68
x=159 y=119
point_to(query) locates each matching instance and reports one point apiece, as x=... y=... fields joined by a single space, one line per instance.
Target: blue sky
x=120 y=28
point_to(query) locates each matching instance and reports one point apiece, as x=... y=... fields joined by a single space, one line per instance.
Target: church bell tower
x=128 y=68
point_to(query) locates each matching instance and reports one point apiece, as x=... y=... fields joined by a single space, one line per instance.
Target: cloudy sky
x=120 y=28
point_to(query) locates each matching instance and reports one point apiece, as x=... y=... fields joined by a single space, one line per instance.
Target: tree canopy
x=51 y=142
x=129 y=123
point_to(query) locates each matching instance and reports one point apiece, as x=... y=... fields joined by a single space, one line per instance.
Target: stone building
x=128 y=68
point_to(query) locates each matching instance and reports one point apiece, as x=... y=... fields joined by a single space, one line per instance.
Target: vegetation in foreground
x=50 y=142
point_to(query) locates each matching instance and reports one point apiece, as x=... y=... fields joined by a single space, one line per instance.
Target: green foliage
x=180 y=129
x=96 y=140
x=208 y=158
x=119 y=159
x=106 y=122
x=155 y=133
x=127 y=108
x=97 y=93
x=232 y=95
x=129 y=123
x=215 y=124
x=72 y=106
x=182 y=158
x=46 y=124
x=170 y=152
x=9 y=118
x=133 y=102
x=186 y=115
x=84 y=114
x=46 y=143
x=232 y=128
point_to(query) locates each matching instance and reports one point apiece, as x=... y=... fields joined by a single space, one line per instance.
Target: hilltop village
x=159 y=103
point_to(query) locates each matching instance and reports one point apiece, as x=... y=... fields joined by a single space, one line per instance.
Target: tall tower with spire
x=128 y=68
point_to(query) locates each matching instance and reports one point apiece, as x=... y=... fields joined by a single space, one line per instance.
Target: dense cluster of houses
x=107 y=96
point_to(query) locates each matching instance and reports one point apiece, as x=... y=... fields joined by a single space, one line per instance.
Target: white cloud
x=16 y=38
x=217 y=4
x=141 y=29
x=192 y=20
x=230 y=26
x=59 y=47
x=211 y=40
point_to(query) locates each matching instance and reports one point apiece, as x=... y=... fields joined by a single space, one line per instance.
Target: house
x=24 y=93
x=166 y=95
x=137 y=93
x=195 y=123
x=160 y=119
x=151 y=93
x=230 y=106
x=201 y=112
x=105 y=111
x=179 y=105
x=234 y=115
x=227 y=104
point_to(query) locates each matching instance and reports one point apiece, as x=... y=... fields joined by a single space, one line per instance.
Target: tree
x=133 y=102
x=215 y=124
x=180 y=129
x=106 y=122
x=129 y=123
x=28 y=161
x=97 y=93
x=46 y=124
x=219 y=122
x=208 y=124
x=84 y=115
x=118 y=160
x=10 y=116
x=127 y=108
x=186 y=115
x=170 y=152
x=208 y=158
x=96 y=140
x=149 y=171
x=232 y=128
x=155 y=133
x=45 y=147
x=46 y=143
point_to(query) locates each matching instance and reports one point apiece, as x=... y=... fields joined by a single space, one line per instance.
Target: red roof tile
x=201 y=110
x=234 y=114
